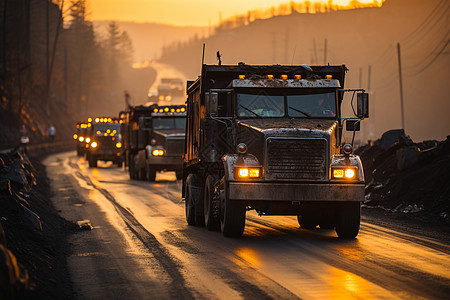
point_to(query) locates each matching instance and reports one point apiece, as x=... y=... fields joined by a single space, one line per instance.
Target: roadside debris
x=407 y=177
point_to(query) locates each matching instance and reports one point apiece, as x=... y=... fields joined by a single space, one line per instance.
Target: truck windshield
x=106 y=129
x=307 y=103
x=260 y=105
x=312 y=105
x=169 y=123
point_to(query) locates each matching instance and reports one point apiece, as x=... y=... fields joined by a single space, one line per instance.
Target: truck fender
x=230 y=161
x=350 y=160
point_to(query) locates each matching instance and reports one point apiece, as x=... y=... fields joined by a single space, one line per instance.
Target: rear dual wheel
x=194 y=201
x=211 y=205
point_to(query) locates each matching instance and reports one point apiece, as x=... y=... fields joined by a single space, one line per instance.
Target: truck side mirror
x=352 y=125
x=362 y=105
x=211 y=103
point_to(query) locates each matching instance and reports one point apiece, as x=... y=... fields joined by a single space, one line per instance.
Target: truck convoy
x=104 y=141
x=269 y=138
x=154 y=140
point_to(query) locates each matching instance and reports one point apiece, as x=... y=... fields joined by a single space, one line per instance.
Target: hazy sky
x=181 y=12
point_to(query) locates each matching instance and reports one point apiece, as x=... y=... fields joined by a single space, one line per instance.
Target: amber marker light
x=97 y=120
x=172 y=110
x=119 y=145
x=284 y=77
x=298 y=76
x=344 y=173
x=89 y=120
x=75 y=136
x=241 y=77
x=328 y=77
x=247 y=172
x=161 y=110
x=166 y=109
x=270 y=77
x=155 y=110
x=183 y=109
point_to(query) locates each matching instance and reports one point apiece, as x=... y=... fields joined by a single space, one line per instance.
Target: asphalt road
x=142 y=248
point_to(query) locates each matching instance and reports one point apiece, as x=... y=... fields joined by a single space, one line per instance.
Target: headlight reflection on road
x=249 y=255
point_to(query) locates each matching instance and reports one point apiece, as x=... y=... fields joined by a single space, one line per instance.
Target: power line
x=433 y=59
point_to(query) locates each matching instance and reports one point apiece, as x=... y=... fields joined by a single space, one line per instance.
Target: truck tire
x=348 y=220
x=119 y=164
x=192 y=199
x=212 y=220
x=232 y=215
x=179 y=175
x=92 y=162
x=151 y=174
x=306 y=221
x=131 y=166
x=142 y=174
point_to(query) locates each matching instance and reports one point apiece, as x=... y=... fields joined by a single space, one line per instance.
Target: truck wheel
x=232 y=215
x=142 y=174
x=151 y=174
x=131 y=167
x=348 y=220
x=210 y=206
x=179 y=175
x=307 y=222
x=92 y=162
x=119 y=164
x=192 y=199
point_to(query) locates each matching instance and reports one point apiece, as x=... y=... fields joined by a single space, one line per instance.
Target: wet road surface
x=142 y=248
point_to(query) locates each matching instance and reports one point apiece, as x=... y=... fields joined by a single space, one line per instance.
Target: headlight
x=88 y=140
x=119 y=145
x=247 y=172
x=81 y=138
x=158 y=152
x=344 y=173
x=94 y=144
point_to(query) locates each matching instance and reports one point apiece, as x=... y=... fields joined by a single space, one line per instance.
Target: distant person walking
x=51 y=133
x=24 y=137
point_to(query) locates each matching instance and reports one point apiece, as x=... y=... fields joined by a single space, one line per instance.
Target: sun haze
x=182 y=12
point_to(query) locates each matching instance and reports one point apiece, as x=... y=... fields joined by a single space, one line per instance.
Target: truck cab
x=155 y=140
x=269 y=138
x=105 y=142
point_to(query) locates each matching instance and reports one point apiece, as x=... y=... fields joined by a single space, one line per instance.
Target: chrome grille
x=175 y=146
x=297 y=158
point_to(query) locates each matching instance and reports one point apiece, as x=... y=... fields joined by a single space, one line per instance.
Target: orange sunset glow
x=195 y=12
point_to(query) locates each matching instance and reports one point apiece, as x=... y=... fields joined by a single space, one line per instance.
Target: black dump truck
x=154 y=140
x=269 y=138
x=104 y=141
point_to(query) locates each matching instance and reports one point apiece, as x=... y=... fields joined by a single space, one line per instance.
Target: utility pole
x=325 y=52
x=401 y=85
x=274 y=57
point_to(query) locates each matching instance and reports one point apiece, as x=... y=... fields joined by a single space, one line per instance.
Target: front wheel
x=151 y=174
x=232 y=215
x=348 y=220
x=307 y=221
x=92 y=162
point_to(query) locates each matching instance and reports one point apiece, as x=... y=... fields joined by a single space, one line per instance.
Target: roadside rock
x=408 y=178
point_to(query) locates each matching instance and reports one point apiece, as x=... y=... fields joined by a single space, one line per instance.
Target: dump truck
x=270 y=138
x=104 y=141
x=154 y=140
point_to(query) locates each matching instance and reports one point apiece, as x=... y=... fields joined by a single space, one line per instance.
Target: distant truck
x=170 y=89
x=105 y=141
x=80 y=138
x=154 y=140
x=269 y=138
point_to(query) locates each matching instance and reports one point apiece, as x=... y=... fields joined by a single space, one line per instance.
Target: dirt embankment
x=33 y=238
x=408 y=178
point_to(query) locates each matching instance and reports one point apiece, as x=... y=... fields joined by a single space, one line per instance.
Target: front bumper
x=296 y=191
x=175 y=162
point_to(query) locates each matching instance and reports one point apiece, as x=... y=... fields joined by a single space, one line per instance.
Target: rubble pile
x=32 y=260
x=407 y=177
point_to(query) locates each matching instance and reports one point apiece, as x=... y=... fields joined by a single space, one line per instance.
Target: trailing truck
x=270 y=139
x=104 y=141
x=154 y=140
